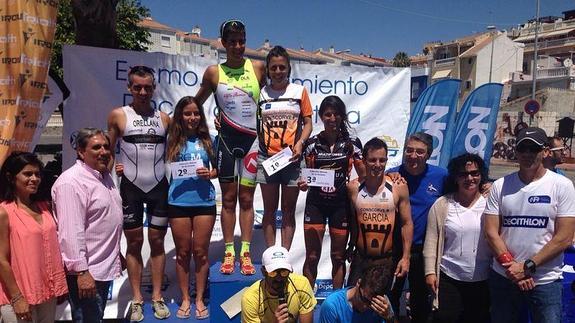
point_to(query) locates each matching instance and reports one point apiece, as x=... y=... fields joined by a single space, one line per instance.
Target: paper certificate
x=186 y=169
x=278 y=161
x=318 y=177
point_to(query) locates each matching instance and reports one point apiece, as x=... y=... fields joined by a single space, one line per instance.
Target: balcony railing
x=445 y=62
x=545 y=73
x=550 y=43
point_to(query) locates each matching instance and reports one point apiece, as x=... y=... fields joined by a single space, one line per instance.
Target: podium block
x=223 y=287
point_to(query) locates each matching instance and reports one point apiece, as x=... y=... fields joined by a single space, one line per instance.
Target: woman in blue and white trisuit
x=191 y=199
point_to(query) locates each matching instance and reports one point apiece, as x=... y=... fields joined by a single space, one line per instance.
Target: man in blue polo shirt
x=425 y=184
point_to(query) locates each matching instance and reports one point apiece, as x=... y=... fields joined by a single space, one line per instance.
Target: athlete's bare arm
x=352 y=189
x=260 y=71
x=401 y=192
x=359 y=169
x=165 y=120
x=116 y=124
x=209 y=84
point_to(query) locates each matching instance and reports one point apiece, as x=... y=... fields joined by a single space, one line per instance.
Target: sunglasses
x=473 y=173
x=529 y=149
x=232 y=23
x=281 y=272
x=557 y=149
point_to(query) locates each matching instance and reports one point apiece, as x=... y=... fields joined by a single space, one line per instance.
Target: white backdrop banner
x=377 y=101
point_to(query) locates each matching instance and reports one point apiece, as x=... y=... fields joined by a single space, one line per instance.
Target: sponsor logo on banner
x=28 y=103
x=7 y=101
x=27 y=34
x=73 y=139
x=436 y=128
x=5 y=123
x=323 y=287
x=525 y=221
x=5 y=141
x=38 y=85
x=8 y=39
x=29 y=19
x=10 y=60
x=14 y=144
x=34 y=61
x=7 y=80
x=18 y=118
x=392 y=145
x=51 y=3
x=24 y=77
x=42 y=43
x=258 y=218
x=539 y=199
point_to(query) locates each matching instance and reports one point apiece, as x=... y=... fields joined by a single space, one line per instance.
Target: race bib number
x=318 y=177
x=186 y=169
x=278 y=161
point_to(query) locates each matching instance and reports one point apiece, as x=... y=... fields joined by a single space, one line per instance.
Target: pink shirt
x=88 y=209
x=34 y=255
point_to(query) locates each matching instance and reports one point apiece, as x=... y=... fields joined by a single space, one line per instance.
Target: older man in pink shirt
x=89 y=212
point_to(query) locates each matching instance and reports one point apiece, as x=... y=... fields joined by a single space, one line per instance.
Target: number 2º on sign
x=182 y=172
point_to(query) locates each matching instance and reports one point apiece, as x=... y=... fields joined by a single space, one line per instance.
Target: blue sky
x=377 y=27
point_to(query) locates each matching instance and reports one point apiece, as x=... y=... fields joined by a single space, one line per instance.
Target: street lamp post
x=492 y=35
x=535 y=53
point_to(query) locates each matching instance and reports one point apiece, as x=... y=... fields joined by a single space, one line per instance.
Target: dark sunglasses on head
x=529 y=149
x=473 y=173
x=231 y=22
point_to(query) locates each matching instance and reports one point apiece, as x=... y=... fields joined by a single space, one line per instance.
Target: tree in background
x=102 y=23
x=401 y=60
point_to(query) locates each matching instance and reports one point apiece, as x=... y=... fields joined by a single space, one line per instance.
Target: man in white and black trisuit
x=141 y=132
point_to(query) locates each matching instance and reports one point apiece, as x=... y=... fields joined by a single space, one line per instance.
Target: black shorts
x=175 y=211
x=236 y=156
x=133 y=199
x=337 y=216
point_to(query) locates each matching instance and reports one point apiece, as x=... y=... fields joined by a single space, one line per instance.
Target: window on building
x=166 y=41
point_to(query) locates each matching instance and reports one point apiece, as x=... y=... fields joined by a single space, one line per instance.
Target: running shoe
x=161 y=310
x=227 y=267
x=246 y=266
x=137 y=312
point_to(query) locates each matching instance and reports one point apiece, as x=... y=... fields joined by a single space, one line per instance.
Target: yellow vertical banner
x=27 y=30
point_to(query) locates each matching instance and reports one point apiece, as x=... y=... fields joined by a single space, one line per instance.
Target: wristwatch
x=529 y=266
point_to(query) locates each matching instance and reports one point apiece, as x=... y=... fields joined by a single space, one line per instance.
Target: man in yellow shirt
x=281 y=296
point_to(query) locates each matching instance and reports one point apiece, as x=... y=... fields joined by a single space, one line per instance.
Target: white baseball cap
x=275 y=258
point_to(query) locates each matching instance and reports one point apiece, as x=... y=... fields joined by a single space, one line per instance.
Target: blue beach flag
x=477 y=122
x=434 y=113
